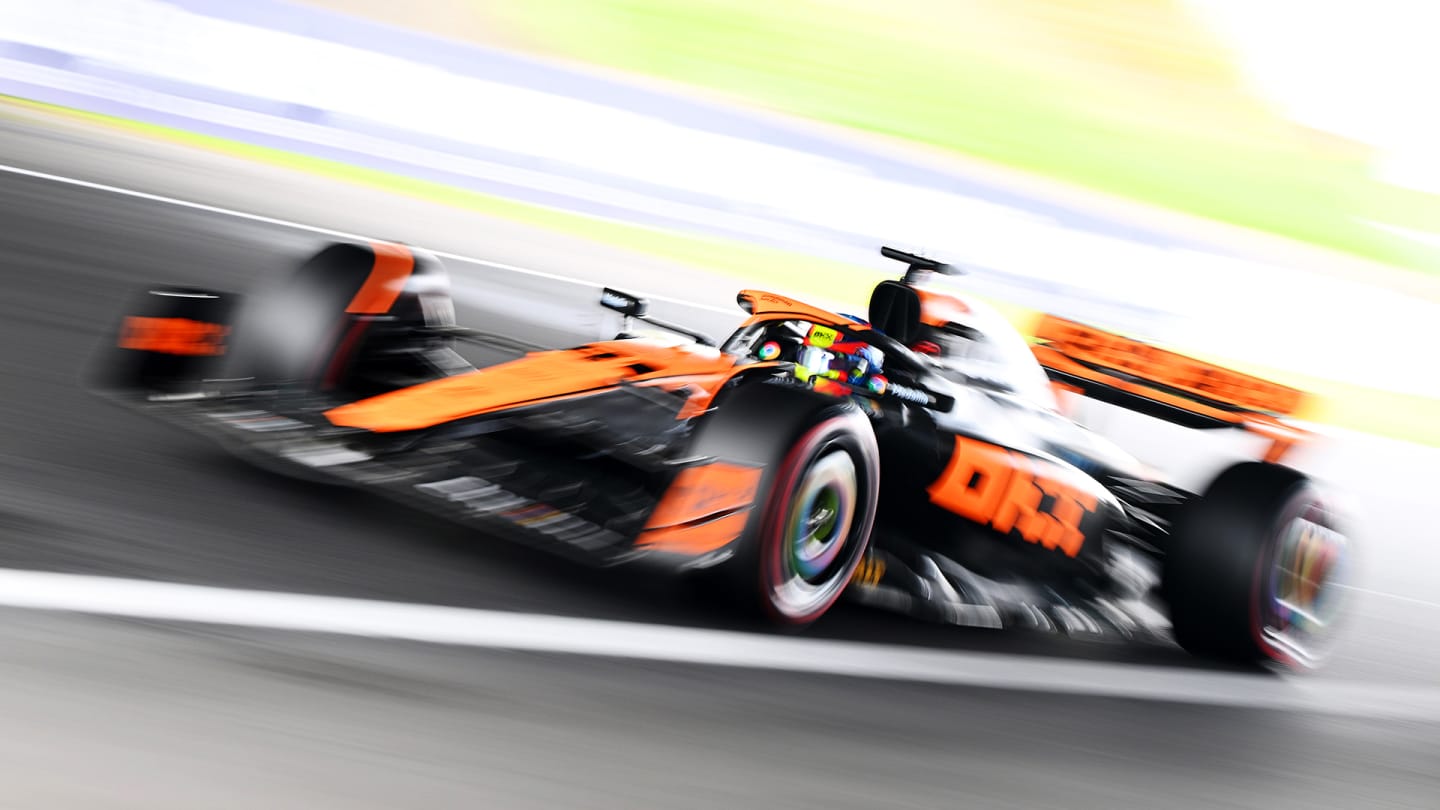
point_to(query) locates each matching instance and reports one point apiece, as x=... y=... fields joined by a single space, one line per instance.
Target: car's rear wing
x=1170 y=386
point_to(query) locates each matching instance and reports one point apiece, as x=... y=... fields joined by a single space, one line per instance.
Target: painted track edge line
x=470 y=627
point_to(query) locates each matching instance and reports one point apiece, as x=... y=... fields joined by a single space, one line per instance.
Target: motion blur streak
x=1384 y=595
x=300 y=226
x=557 y=634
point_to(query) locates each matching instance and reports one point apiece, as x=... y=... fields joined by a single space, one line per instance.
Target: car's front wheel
x=811 y=521
x=816 y=519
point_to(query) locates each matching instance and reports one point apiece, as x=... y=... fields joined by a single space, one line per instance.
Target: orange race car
x=915 y=459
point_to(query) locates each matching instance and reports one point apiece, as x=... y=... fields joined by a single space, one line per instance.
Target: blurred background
x=1252 y=183
x=1186 y=149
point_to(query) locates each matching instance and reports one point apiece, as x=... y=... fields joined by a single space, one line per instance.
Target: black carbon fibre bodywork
x=534 y=475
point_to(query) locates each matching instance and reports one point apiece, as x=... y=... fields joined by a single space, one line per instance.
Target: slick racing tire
x=1255 y=569
x=815 y=508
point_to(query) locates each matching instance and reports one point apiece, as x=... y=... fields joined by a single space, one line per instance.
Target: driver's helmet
x=837 y=366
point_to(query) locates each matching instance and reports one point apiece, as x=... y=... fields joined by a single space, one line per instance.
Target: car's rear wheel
x=1256 y=568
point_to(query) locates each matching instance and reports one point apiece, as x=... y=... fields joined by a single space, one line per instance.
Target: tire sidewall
x=834 y=430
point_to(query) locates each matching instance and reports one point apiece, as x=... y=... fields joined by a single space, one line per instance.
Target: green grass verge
x=1339 y=404
x=923 y=71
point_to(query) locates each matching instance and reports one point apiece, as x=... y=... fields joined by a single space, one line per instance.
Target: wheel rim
x=816 y=535
x=1304 y=588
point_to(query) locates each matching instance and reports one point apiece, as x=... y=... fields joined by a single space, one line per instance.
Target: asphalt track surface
x=104 y=711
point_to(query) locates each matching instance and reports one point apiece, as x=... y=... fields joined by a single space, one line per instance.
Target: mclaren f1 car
x=914 y=459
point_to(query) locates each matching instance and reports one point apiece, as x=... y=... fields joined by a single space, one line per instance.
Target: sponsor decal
x=769 y=351
x=822 y=337
x=1148 y=363
x=1012 y=493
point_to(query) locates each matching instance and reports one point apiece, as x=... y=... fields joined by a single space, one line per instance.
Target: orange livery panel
x=178 y=336
x=705 y=508
x=534 y=378
x=766 y=306
x=392 y=268
x=1101 y=351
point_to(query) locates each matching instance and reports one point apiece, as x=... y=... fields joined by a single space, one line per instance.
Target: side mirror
x=628 y=305
x=633 y=306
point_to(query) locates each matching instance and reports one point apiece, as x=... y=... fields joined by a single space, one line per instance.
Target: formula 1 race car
x=915 y=459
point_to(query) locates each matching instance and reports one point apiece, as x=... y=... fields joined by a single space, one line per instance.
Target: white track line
x=301 y=226
x=577 y=636
x=1397 y=597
